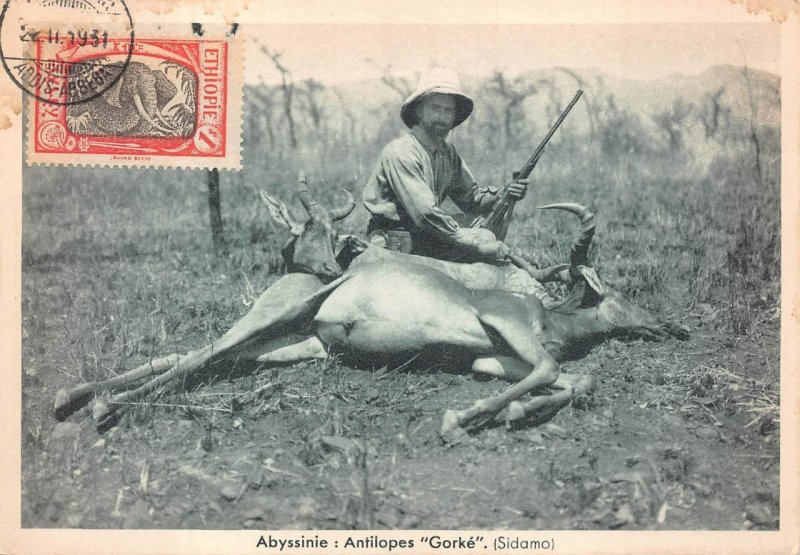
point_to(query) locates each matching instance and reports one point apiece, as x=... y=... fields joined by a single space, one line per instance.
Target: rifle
x=505 y=204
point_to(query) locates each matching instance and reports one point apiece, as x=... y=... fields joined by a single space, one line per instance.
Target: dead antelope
x=387 y=308
x=310 y=249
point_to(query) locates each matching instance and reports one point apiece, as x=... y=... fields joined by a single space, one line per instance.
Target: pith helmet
x=438 y=80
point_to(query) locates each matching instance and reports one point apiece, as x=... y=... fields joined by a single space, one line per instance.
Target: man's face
x=436 y=114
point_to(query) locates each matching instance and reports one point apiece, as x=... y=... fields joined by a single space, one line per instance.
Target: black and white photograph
x=506 y=279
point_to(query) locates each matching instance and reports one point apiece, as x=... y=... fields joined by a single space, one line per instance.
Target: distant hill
x=651 y=96
x=644 y=97
x=367 y=112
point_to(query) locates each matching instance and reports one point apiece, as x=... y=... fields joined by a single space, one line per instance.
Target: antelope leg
x=543 y=407
x=252 y=330
x=309 y=348
x=196 y=360
x=67 y=402
x=504 y=367
x=543 y=370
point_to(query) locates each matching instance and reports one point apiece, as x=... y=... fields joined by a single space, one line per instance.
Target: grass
x=119 y=267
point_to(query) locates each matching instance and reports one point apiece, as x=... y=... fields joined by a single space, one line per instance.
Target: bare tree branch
x=400 y=85
x=287 y=85
x=514 y=94
x=310 y=88
x=263 y=98
x=753 y=122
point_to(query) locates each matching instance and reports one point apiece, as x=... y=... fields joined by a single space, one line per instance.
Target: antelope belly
x=400 y=310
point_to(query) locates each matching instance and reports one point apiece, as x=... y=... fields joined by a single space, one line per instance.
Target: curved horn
x=302 y=193
x=580 y=248
x=344 y=211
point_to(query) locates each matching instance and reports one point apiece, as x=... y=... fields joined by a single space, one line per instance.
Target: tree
x=287 y=86
x=713 y=112
x=262 y=99
x=671 y=120
x=349 y=130
x=513 y=93
x=310 y=89
x=214 y=210
x=402 y=86
x=753 y=123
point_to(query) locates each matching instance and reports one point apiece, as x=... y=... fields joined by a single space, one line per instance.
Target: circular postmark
x=65 y=51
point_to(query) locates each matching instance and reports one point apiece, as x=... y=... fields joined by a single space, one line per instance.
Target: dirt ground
x=679 y=435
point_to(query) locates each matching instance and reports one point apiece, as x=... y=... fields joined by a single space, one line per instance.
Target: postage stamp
x=165 y=102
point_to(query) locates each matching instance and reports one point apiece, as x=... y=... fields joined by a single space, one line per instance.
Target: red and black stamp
x=171 y=102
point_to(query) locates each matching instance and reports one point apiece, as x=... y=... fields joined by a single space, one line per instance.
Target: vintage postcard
x=334 y=278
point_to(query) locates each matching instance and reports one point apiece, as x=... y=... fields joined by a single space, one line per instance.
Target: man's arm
x=478 y=200
x=405 y=174
x=466 y=194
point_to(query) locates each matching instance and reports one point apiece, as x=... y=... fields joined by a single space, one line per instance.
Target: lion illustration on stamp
x=147 y=101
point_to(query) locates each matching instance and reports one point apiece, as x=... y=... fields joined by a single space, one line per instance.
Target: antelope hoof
x=584 y=386
x=65 y=404
x=515 y=412
x=60 y=406
x=582 y=391
x=451 y=432
x=100 y=412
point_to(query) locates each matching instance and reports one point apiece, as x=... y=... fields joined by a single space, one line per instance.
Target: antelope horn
x=580 y=248
x=302 y=193
x=344 y=211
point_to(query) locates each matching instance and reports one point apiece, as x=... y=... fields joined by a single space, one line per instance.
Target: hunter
x=419 y=170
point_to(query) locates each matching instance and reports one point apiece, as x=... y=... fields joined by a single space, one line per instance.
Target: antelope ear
x=346 y=241
x=279 y=213
x=347 y=248
x=592 y=280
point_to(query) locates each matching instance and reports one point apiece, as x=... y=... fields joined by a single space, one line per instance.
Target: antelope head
x=596 y=310
x=311 y=248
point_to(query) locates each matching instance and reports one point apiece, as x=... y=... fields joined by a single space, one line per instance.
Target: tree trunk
x=214 y=210
x=288 y=90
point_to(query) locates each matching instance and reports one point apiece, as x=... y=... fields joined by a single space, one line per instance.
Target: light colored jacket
x=414 y=175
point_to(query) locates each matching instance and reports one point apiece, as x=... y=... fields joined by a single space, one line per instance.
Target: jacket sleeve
x=405 y=175
x=466 y=194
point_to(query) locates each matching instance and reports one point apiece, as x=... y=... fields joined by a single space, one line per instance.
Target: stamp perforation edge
x=234 y=98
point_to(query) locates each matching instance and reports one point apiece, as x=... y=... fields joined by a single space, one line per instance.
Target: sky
x=335 y=53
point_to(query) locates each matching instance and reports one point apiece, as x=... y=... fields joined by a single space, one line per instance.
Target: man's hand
x=484 y=242
x=494 y=251
x=502 y=252
x=517 y=189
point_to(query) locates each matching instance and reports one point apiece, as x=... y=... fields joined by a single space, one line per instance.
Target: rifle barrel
x=505 y=202
x=531 y=163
